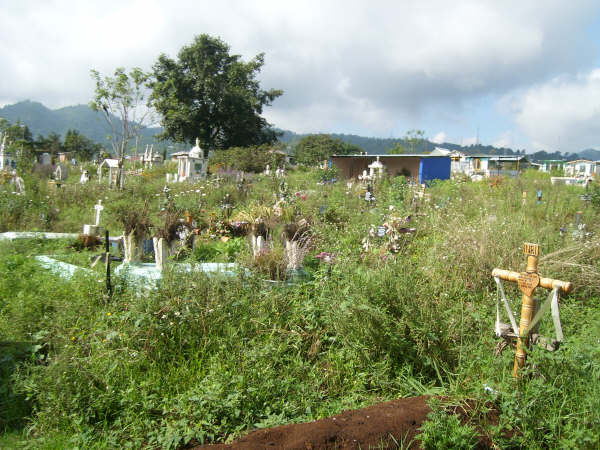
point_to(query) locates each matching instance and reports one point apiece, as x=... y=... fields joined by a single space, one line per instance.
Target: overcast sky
x=524 y=74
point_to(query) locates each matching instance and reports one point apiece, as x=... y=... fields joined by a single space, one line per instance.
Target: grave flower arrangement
x=137 y=225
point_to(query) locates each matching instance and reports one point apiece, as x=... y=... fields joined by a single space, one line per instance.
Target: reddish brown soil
x=388 y=425
x=384 y=425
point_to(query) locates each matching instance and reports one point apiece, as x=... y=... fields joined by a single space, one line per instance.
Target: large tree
x=211 y=95
x=312 y=149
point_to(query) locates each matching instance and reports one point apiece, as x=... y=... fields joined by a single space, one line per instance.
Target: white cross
x=98 y=208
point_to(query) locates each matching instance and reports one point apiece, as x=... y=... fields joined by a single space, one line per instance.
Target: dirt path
x=385 y=425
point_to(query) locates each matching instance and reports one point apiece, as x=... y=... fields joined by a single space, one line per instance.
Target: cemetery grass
x=209 y=359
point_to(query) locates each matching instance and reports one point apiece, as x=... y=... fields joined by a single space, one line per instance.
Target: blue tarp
x=437 y=168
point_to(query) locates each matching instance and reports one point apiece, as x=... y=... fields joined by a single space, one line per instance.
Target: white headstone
x=98 y=208
x=20 y=185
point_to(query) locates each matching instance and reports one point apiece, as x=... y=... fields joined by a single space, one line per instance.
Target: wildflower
x=72 y=338
x=303 y=197
x=104 y=340
x=109 y=313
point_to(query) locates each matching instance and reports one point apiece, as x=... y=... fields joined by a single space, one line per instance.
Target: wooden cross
x=528 y=281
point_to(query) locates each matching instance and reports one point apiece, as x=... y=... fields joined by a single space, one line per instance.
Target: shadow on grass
x=14 y=408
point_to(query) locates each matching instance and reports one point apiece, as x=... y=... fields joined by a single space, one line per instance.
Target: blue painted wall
x=437 y=168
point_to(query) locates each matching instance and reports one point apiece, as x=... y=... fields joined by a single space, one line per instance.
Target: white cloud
x=440 y=138
x=468 y=141
x=504 y=140
x=341 y=63
x=561 y=114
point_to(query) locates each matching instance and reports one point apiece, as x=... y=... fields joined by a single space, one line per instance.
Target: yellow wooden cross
x=528 y=281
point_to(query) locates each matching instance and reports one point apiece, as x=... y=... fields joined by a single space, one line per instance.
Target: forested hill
x=373 y=145
x=43 y=121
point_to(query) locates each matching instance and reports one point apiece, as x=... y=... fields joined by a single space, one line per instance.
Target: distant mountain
x=378 y=146
x=42 y=120
x=590 y=153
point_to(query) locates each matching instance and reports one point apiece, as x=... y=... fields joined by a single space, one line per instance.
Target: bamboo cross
x=528 y=281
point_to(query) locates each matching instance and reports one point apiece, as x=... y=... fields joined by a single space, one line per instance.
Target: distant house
x=494 y=165
x=549 y=165
x=419 y=168
x=581 y=168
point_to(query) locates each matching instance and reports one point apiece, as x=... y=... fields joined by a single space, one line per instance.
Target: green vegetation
x=212 y=95
x=212 y=358
x=316 y=148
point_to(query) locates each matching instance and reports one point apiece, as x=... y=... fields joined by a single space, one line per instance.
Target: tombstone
x=60 y=173
x=268 y=170
x=94 y=230
x=45 y=159
x=161 y=252
x=369 y=197
x=376 y=169
x=539 y=196
x=19 y=185
x=227 y=206
x=283 y=190
x=85 y=177
x=132 y=247
x=524 y=201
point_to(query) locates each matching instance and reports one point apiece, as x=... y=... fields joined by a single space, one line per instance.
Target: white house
x=548 y=165
x=581 y=168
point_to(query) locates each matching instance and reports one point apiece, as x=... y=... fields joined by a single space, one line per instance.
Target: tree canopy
x=213 y=96
x=312 y=149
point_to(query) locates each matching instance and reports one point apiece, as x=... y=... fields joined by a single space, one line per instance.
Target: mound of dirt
x=384 y=425
x=388 y=425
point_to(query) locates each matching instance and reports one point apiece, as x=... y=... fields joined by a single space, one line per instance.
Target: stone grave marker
x=94 y=230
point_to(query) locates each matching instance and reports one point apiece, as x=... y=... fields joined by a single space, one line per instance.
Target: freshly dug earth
x=386 y=425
